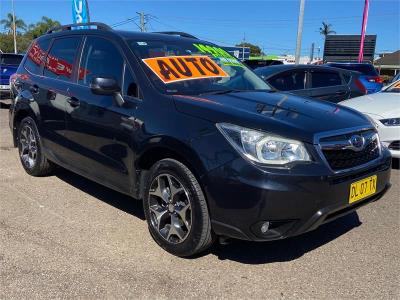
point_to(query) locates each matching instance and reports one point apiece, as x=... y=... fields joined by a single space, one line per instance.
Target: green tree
x=40 y=28
x=326 y=29
x=8 y=24
x=254 y=49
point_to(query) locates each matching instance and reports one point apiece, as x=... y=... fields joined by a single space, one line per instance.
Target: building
x=388 y=64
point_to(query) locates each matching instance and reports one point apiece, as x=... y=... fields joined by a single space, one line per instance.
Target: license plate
x=4 y=87
x=363 y=188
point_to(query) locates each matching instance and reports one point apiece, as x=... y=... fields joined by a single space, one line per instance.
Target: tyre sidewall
x=191 y=244
x=39 y=156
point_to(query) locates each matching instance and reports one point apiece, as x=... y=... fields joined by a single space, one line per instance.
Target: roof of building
x=392 y=59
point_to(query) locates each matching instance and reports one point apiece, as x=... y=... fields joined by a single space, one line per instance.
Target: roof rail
x=100 y=26
x=178 y=33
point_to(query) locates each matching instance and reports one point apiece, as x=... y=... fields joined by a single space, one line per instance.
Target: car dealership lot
x=64 y=236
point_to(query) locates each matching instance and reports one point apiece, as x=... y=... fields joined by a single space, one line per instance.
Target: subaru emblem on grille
x=357 y=142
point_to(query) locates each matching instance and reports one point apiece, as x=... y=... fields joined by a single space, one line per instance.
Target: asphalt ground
x=64 y=236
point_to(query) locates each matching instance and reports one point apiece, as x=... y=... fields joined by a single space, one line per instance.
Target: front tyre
x=30 y=149
x=176 y=210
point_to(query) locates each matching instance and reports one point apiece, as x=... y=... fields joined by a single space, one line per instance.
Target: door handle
x=340 y=93
x=34 y=89
x=73 y=102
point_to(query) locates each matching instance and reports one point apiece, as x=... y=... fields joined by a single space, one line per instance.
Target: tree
x=9 y=26
x=326 y=29
x=254 y=49
x=40 y=28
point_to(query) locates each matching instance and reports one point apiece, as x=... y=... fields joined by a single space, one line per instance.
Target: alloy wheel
x=170 y=209
x=28 y=146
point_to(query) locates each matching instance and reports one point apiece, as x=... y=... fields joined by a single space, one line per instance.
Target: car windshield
x=194 y=68
x=10 y=59
x=394 y=88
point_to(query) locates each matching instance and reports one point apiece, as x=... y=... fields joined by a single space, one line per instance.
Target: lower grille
x=341 y=155
x=394 y=145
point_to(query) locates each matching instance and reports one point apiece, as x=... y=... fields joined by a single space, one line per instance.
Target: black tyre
x=30 y=149
x=176 y=209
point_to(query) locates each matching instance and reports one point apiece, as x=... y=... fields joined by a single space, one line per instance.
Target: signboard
x=80 y=12
x=238 y=52
x=345 y=48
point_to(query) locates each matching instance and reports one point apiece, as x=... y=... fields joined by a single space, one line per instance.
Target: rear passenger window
x=61 y=58
x=100 y=58
x=324 y=79
x=288 y=81
x=36 y=55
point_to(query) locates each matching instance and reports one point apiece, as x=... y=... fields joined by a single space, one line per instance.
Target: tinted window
x=130 y=87
x=36 y=55
x=365 y=69
x=288 y=81
x=100 y=58
x=10 y=59
x=61 y=58
x=324 y=79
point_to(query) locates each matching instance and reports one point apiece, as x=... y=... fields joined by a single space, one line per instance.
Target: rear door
x=327 y=85
x=293 y=81
x=98 y=129
x=52 y=93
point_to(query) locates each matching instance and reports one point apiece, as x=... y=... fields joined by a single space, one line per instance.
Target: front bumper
x=242 y=197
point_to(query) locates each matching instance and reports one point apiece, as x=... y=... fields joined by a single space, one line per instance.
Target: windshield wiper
x=220 y=92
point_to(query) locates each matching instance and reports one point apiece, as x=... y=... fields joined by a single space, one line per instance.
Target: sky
x=270 y=24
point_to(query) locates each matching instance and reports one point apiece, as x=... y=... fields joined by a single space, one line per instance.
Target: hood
x=7 y=70
x=385 y=105
x=279 y=113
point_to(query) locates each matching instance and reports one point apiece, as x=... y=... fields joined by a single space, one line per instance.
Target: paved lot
x=64 y=236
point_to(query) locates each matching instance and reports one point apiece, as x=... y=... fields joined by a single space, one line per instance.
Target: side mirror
x=107 y=86
x=104 y=86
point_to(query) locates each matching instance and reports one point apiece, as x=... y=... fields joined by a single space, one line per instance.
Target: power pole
x=142 y=21
x=14 y=27
x=299 y=32
x=312 y=53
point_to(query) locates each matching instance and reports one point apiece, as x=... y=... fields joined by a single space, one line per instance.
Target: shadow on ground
x=288 y=249
x=240 y=251
x=396 y=163
x=109 y=196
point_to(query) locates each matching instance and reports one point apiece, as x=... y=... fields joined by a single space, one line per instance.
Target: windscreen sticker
x=188 y=67
x=217 y=52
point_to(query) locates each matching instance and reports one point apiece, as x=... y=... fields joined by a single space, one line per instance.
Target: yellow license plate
x=363 y=188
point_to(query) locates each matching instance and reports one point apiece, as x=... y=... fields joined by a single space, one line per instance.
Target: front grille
x=394 y=145
x=340 y=156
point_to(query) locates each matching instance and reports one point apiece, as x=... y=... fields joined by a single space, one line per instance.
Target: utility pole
x=299 y=32
x=14 y=27
x=142 y=21
x=312 y=53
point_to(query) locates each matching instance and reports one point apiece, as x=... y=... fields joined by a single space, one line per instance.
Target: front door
x=100 y=143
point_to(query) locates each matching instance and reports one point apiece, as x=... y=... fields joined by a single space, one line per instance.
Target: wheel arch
x=19 y=115
x=164 y=147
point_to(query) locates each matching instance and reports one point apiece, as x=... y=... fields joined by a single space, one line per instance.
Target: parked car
x=197 y=136
x=369 y=78
x=384 y=109
x=324 y=83
x=258 y=63
x=8 y=65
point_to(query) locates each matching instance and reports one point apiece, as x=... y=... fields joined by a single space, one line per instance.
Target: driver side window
x=100 y=58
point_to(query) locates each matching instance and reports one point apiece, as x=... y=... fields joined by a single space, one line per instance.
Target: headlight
x=263 y=147
x=391 y=122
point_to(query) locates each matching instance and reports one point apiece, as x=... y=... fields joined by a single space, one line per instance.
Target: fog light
x=264 y=227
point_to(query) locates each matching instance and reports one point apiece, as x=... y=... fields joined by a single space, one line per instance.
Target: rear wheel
x=176 y=209
x=30 y=149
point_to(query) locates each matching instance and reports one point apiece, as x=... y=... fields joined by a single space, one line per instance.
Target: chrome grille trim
x=326 y=141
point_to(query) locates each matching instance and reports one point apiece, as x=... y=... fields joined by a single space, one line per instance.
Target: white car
x=384 y=110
